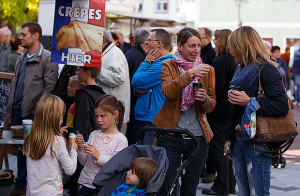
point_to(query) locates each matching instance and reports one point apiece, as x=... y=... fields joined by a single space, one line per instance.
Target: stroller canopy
x=114 y=171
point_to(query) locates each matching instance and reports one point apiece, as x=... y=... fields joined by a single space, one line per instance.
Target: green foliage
x=19 y=11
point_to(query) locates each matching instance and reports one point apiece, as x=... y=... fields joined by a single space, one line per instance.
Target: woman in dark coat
x=224 y=66
x=252 y=169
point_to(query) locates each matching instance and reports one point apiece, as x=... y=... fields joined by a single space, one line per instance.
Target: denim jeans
x=21 y=159
x=179 y=149
x=297 y=83
x=84 y=191
x=149 y=135
x=251 y=168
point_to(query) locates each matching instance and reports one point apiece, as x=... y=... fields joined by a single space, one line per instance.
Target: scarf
x=244 y=76
x=188 y=98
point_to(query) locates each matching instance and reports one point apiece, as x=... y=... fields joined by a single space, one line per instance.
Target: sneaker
x=209 y=178
x=15 y=191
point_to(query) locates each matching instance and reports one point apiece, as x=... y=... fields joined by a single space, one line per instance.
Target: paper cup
x=72 y=139
x=27 y=124
x=17 y=131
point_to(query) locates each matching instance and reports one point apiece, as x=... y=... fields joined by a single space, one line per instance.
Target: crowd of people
x=146 y=84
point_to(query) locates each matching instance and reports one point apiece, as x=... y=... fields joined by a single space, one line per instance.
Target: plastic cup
x=27 y=124
x=85 y=144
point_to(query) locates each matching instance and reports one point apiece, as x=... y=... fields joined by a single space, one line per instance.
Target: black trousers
x=224 y=181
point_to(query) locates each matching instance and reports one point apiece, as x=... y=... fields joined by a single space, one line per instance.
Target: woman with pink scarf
x=186 y=108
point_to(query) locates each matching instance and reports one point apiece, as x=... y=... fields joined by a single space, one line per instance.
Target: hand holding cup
x=238 y=97
x=79 y=141
x=92 y=150
x=200 y=95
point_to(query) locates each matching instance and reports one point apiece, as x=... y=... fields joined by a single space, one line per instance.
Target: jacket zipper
x=149 y=105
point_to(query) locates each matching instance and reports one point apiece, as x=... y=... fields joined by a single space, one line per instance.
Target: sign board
x=5 y=87
x=78 y=32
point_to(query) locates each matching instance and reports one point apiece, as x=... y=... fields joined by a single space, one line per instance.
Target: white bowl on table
x=7 y=134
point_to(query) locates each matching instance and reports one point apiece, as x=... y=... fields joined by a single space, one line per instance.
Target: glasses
x=150 y=40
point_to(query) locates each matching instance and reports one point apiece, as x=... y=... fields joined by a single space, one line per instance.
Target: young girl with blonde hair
x=102 y=144
x=46 y=150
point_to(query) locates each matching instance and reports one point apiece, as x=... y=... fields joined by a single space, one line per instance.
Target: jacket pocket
x=168 y=110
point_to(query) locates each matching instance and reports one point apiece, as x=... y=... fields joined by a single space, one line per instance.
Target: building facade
x=275 y=20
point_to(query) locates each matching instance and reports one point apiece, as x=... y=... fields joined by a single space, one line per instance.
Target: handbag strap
x=282 y=149
x=261 y=91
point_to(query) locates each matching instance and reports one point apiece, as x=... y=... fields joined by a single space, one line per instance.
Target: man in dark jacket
x=208 y=53
x=135 y=56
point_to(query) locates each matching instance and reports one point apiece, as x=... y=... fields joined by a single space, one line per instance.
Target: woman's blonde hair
x=46 y=125
x=221 y=37
x=246 y=43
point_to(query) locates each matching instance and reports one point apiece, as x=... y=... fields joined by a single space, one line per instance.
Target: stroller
x=114 y=171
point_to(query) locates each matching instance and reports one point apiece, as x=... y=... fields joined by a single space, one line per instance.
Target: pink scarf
x=187 y=93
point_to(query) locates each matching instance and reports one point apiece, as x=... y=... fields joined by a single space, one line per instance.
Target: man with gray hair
x=208 y=53
x=114 y=75
x=135 y=56
x=146 y=81
x=5 y=48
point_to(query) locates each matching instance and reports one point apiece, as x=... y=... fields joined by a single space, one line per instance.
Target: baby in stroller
x=141 y=171
x=113 y=173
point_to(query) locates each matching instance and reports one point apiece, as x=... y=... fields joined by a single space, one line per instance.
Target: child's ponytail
x=121 y=109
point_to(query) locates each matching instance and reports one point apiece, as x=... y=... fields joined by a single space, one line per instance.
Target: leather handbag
x=275 y=128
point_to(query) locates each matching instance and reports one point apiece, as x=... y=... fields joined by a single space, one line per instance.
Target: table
x=6 y=147
x=11 y=141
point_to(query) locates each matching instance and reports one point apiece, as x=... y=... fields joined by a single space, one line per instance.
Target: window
x=161 y=6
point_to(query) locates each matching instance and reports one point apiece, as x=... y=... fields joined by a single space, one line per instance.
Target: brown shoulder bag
x=275 y=128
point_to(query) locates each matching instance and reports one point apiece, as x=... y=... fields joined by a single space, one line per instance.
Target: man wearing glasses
x=208 y=53
x=146 y=80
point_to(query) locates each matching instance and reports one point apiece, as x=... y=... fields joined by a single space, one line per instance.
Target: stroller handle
x=167 y=130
